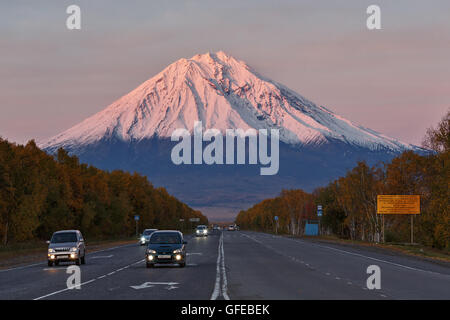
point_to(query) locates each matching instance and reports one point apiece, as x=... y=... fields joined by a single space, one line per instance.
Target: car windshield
x=165 y=238
x=201 y=227
x=64 y=237
x=148 y=232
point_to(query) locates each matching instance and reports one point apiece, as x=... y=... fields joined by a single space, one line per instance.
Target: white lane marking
x=224 y=276
x=103 y=257
x=216 y=290
x=23 y=267
x=379 y=260
x=59 y=291
x=361 y=255
x=84 y=283
x=194 y=253
x=44 y=261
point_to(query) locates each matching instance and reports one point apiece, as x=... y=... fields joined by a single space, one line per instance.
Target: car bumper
x=67 y=256
x=156 y=258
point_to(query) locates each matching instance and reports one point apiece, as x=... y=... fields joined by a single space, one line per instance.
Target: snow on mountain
x=223 y=93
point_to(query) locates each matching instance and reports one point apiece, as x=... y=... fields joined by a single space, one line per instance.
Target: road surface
x=236 y=265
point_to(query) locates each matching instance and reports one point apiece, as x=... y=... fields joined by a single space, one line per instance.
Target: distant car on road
x=145 y=237
x=201 y=231
x=166 y=246
x=231 y=227
x=66 y=245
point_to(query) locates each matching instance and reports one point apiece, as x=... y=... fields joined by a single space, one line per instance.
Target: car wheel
x=50 y=263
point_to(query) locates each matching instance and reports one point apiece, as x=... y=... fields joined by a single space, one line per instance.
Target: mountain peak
x=223 y=93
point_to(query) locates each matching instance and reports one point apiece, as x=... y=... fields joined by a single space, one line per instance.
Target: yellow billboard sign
x=398 y=204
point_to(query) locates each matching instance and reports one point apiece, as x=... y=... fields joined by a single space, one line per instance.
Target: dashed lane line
x=87 y=282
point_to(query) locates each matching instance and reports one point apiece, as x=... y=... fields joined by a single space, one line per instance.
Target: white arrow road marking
x=171 y=288
x=171 y=285
x=102 y=257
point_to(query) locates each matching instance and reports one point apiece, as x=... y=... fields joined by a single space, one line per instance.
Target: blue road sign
x=136 y=218
x=275 y=218
x=319 y=210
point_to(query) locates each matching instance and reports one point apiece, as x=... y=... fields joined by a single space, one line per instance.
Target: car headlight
x=205 y=231
x=177 y=251
x=73 y=249
x=142 y=239
x=51 y=250
x=198 y=231
x=149 y=251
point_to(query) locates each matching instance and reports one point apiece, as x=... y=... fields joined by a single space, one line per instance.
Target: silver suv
x=66 y=245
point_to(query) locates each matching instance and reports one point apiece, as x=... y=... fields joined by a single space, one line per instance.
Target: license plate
x=62 y=257
x=164 y=256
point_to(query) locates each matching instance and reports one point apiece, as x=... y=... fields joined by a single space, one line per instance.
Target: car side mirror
x=81 y=240
x=47 y=242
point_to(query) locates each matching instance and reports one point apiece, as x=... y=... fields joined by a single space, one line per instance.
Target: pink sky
x=395 y=81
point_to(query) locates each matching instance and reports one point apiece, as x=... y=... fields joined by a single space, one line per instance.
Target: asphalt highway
x=236 y=265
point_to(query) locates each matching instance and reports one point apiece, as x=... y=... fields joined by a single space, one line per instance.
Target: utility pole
x=136 y=218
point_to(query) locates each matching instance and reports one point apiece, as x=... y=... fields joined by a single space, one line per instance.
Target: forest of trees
x=349 y=203
x=40 y=194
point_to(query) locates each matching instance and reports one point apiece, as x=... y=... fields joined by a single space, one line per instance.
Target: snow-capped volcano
x=223 y=93
x=133 y=134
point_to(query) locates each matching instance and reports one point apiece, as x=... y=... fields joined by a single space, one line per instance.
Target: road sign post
x=399 y=204
x=276 y=224
x=319 y=214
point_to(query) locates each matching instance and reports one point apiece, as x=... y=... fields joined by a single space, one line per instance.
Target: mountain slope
x=133 y=134
x=223 y=93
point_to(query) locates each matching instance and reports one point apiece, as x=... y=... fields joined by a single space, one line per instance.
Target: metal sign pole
x=412 y=229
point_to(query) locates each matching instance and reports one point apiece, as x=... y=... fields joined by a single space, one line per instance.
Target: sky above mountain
x=394 y=81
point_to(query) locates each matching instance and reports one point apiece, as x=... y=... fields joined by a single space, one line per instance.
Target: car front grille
x=62 y=249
